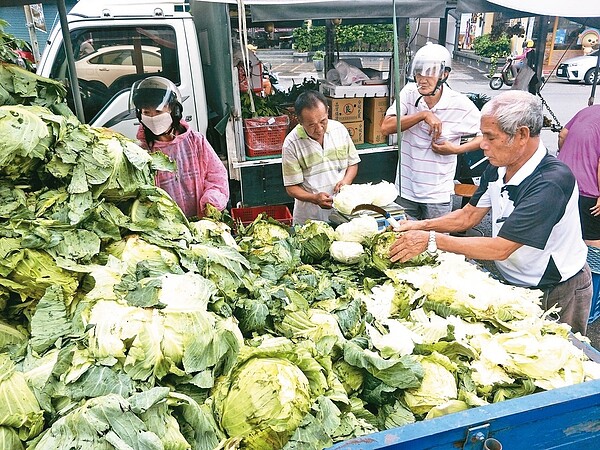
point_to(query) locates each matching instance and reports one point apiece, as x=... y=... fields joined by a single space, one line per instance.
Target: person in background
x=520 y=60
x=526 y=78
x=579 y=148
x=318 y=158
x=536 y=238
x=200 y=177
x=433 y=120
x=86 y=47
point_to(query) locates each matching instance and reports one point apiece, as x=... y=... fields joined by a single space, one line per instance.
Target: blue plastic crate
x=593 y=260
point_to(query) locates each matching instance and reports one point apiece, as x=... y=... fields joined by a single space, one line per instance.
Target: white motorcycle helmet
x=431 y=60
x=155 y=92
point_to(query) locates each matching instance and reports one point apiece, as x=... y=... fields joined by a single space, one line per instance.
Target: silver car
x=580 y=68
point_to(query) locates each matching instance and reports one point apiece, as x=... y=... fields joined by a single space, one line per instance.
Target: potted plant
x=318 y=58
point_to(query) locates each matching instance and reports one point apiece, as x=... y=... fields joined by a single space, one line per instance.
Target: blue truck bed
x=565 y=418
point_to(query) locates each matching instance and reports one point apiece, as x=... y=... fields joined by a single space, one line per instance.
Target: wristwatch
x=432 y=245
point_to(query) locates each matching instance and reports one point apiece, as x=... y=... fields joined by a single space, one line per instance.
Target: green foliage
x=318 y=55
x=478 y=99
x=8 y=46
x=289 y=97
x=347 y=37
x=263 y=106
x=308 y=39
x=492 y=48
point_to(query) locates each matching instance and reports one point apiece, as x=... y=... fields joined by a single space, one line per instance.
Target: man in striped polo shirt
x=536 y=237
x=318 y=158
x=434 y=118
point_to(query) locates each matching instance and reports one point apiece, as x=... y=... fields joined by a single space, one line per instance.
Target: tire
x=589 y=76
x=496 y=83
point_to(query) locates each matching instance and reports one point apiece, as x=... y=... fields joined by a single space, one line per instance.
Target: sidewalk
x=289 y=71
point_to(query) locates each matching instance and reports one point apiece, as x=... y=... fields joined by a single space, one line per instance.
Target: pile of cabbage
x=124 y=325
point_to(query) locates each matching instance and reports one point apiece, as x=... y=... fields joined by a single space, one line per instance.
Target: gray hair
x=515 y=109
x=309 y=100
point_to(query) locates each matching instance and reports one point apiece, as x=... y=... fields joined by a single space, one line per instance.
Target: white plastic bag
x=349 y=74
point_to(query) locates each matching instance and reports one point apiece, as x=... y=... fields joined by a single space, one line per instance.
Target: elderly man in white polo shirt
x=536 y=237
x=318 y=158
x=434 y=119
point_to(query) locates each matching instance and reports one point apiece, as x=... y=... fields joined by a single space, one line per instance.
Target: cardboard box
x=375 y=107
x=374 y=114
x=373 y=133
x=356 y=131
x=345 y=109
x=355 y=90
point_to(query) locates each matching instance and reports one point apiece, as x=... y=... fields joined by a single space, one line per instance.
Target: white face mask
x=158 y=124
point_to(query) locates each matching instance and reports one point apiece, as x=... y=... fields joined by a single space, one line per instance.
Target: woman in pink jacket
x=201 y=177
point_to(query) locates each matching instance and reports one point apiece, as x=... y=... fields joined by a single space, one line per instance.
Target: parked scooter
x=504 y=76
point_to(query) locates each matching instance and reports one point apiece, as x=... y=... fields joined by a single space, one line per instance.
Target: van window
x=109 y=60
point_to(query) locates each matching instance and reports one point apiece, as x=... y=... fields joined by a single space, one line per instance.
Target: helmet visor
x=153 y=92
x=428 y=69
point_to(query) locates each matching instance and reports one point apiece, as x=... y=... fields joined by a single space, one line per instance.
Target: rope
x=243 y=31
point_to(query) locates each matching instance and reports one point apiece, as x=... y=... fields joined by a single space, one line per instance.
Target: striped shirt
x=427 y=177
x=316 y=168
x=538 y=208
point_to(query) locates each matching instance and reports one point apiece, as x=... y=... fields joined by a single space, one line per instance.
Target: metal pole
x=64 y=25
x=596 y=73
x=541 y=49
x=329 y=46
x=32 y=36
x=398 y=83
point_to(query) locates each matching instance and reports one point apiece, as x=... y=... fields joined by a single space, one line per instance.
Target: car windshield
x=108 y=62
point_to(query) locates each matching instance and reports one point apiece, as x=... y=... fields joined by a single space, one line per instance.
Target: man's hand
x=435 y=125
x=445 y=148
x=339 y=186
x=408 y=245
x=324 y=200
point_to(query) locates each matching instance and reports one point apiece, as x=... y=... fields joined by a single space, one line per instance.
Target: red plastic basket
x=265 y=135
x=247 y=215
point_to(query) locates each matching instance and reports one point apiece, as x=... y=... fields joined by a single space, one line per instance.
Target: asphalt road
x=563 y=99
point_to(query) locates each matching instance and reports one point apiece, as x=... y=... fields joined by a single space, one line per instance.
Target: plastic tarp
x=282 y=10
x=586 y=13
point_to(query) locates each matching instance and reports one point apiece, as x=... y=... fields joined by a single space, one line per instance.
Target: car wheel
x=496 y=83
x=590 y=76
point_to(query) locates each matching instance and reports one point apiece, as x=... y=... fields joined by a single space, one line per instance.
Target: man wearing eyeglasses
x=318 y=158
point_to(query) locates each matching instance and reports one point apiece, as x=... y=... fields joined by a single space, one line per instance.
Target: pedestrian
x=536 y=238
x=579 y=148
x=200 y=177
x=318 y=158
x=434 y=118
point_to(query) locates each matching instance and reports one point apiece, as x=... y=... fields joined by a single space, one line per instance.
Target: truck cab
x=117 y=43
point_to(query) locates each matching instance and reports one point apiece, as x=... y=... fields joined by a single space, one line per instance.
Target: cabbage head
x=264 y=230
x=380 y=251
x=19 y=409
x=263 y=402
x=437 y=388
x=347 y=252
x=314 y=238
x=360 y=229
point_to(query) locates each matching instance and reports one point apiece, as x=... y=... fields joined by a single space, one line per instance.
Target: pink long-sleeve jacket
x=201 y=176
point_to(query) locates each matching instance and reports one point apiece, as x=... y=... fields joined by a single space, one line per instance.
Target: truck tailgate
x=565 y=418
